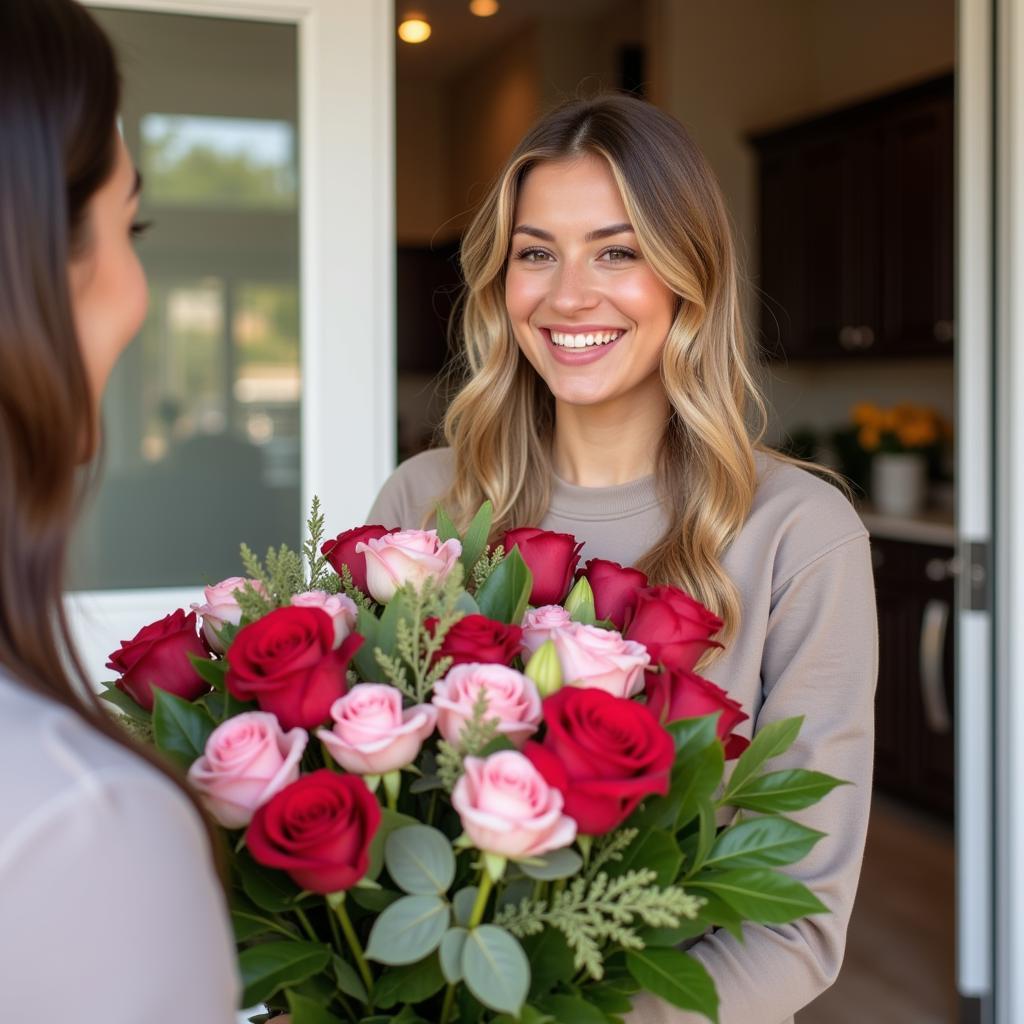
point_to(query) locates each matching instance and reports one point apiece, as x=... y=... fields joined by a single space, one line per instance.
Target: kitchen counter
x=932 y=526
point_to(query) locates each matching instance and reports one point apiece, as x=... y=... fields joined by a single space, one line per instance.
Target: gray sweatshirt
x=807 y=645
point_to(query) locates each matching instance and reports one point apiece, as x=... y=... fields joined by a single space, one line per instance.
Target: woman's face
x=588 y=311
x=108 y=285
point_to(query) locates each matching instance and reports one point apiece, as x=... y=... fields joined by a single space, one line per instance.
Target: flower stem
x=448 y=1004
x=486 y=883
x=353 y=944
x=306 y=926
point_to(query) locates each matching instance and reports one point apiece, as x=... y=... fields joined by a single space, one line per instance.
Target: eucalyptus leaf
x=411 y=983
x=270 y=966
x=450 y=953
x=759 y=894
x=462 y=904
x=180 y=728
x=389 y=821
x=782 y=791
x=420 y=860
x=410 y=929
x=496 y=969
x=675 y=977
x=557 y=864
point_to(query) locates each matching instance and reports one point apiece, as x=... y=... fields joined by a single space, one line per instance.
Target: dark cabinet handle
x=934 y=623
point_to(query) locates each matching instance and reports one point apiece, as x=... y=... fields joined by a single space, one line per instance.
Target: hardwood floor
x=899 y=966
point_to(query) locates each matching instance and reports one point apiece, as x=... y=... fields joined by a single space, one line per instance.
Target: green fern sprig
x=394 y=672
x=347 y=584
x=319 y=577
x=286 y=575
x=478 y=731
x=485 y=565
x=608 y=848
x=593 y=913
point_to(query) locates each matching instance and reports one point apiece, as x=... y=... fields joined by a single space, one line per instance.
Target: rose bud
x=507 y=808
x=342 y=551
x=678 y=694
x=372 y=734
x=406 y=557
x=600 y=658
x=551 y=558
x=604 y=753
x=287 y=663
x=318 y=830
x=545 y=669
x=675 y=629
x=342 y=610
x=511 y=698
x=476 y=638
x=158 y=656
x=543 y=624
x=615 y=589
x=247 y=760
x=220 y=608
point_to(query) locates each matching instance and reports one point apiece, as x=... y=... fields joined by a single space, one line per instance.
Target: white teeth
x=584 y=340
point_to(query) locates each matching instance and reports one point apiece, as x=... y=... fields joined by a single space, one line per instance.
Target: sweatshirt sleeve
x=820 y=660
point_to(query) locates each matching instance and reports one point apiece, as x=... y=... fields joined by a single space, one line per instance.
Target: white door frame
x=346 y=261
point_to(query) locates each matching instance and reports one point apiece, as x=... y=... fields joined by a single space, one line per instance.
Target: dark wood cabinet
x=856 y=239
x=914 y=704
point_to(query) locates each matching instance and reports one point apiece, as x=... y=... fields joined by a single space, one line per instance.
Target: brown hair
x=500 y=425
x=59 y=98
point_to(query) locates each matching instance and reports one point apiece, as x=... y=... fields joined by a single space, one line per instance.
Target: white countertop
x=933 y=526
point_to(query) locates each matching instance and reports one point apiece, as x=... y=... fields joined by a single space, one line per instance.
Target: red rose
x=604 y=753
x=342 y=551
x=158 y=656
x=677 y=694
x=476 y=638
x=286 y=663
x=318 y=829
x=551 y=558
x=675 y=629
x=615 y=588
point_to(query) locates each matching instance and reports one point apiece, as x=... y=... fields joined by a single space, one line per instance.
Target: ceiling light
x=414 y=30
x=483 y=8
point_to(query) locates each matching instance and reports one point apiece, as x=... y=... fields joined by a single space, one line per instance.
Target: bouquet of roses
x=468 y=783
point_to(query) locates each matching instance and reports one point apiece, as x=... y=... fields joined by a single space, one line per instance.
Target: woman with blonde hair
x=610 y=394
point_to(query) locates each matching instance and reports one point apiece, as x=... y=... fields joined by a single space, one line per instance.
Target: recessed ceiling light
x=483 y=8
x=414 y=30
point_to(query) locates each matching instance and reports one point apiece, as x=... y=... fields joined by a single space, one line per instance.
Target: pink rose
x=247 y=760
x=221 y=607
x=594 y=658
x=543 y=624
x=406 y=557
x=342 y=610
x=508 y=808
x=511 y=698
x=372 y=734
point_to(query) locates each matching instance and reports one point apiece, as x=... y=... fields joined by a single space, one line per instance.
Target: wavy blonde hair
x=501 y=422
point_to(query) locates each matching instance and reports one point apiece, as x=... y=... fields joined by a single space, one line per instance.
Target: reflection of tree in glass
x=267 y=325
x=199 y=173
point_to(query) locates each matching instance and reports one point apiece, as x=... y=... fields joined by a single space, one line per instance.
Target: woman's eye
x=533 y=255
x=618 y=255
x=140 y=227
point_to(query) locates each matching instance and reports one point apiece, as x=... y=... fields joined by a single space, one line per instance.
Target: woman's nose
x=571 y=290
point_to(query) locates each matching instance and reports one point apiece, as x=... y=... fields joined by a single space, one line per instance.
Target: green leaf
x=411 y=983
x=499 y=743
x=246 y=924
x=507 y=591
x=450 y=953
x=572 y=1008
x=554 y=865
x=347 y=979
x=475 y=541
x=368 y=627
x=268 y=888
x=373 y=899
x=307 y=1011
x=399 y=608
x=222 y=705
x=408 y=930
x=211 y=671
x=695 y=777
x=495 y=969
x=125 y=704
x=652 y=849
x=446 y=529
x=551 y=960
x=610 y=998
x=769 y=741
x=675 y=977
x=180 y=729
x=789 y=790
x=760 y=895
x=389 y=821
x=580 y=603
x=692 y=734
x=462 y=904
x=761 y=842
x=268 y=967
x=527 y=1015
x=697 y=846
x=420 y=860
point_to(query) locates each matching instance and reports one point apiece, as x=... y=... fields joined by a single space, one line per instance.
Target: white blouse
x=110 y=908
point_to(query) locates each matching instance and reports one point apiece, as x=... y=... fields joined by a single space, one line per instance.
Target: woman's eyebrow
x=590 y=236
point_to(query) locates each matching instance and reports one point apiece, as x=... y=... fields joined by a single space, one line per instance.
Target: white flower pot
x=898 y=483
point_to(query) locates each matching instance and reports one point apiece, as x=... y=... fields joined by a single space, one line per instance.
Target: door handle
x=934 y=623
